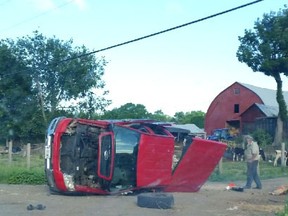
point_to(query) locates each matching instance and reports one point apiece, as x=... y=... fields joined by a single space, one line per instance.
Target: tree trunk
x=278 y=132
x=282 y=115
x=41 y=100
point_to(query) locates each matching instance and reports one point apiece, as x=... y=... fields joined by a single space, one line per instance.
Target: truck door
x=196 y=165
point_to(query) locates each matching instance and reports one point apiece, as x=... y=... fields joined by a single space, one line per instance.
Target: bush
x=262 y=138
x=27 y=177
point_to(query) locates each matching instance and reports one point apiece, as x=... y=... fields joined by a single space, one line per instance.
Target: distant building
x=187 y=129
x=244 y=108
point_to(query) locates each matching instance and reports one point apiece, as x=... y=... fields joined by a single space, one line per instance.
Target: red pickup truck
x=111 y=157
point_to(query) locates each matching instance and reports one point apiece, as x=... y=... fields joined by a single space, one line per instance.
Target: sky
x=178 y=71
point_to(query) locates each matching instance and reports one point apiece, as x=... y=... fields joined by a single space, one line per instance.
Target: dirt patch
x=212 y=199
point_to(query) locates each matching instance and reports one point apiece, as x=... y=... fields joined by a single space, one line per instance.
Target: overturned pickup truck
x=111 y=157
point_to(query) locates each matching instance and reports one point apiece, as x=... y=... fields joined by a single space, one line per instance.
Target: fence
x=24 y=153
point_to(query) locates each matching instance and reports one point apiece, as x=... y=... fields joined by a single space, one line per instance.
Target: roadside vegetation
x=236 y=171
x=17 y=172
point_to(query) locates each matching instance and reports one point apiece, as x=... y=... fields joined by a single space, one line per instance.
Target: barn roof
x=268 y=96
x=181 y=128
x=269 y=111
x=190 y=127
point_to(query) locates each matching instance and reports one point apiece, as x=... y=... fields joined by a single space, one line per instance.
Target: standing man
x=252 y=158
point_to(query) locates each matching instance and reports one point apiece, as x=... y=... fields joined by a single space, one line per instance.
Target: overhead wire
x=163 y=31
x=148 y=36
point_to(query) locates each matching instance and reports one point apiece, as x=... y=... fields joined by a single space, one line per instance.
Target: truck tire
x=155 y=200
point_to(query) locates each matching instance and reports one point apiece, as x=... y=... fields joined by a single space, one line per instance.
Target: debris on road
x=37 y=207
x=232 y=186
x=283 y=189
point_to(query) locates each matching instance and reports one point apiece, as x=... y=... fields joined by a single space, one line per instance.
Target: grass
x=285 y=212
x=17 y=172
x=233 y=171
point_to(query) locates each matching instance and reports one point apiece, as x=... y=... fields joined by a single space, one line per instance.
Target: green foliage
x=262 y=138
x=127 y=111
x=16 y=171
x=17 y=102
x=38 y=75
x=56 y=79
x=285 y=212
x=139 y=111
x=239 y=139
x=193 y=117
x=27 y=177
x=160 y=116
x=265 y=49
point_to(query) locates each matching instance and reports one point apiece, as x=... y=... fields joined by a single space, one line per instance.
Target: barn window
x=236 y=108
x=236 y=91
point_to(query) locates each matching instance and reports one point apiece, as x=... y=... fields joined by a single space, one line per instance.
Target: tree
x=193 y=117
x=158 y=115
x=127 y=111
x=178 y=117
x=17 y=101
x=266 y=50
x=59 y=76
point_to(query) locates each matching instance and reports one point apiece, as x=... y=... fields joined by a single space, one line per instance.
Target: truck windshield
x=127 y=140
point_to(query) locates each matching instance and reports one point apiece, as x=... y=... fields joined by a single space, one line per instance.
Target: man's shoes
x=247 y=187
x=259 y=188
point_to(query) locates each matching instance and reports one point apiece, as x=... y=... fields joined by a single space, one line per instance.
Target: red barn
x=239 y=105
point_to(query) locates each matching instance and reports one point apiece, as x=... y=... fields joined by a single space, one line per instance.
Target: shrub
x=262 y=138
x=27 y=177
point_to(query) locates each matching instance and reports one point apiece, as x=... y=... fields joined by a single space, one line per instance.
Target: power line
x=151 y=35
x=161 y=32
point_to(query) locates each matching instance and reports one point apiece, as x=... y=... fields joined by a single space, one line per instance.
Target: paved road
x=212 y=199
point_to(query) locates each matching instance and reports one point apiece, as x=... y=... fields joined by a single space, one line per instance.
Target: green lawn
x=233 y=171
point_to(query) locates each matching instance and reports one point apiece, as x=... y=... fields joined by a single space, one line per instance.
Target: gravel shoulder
x=212 y=199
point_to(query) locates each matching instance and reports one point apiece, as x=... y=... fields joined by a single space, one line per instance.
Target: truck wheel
x=155 y=200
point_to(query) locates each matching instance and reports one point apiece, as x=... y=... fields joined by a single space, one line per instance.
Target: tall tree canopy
x=41 y=78
x=58 y=76
x=17 y=101
x=265 y=49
